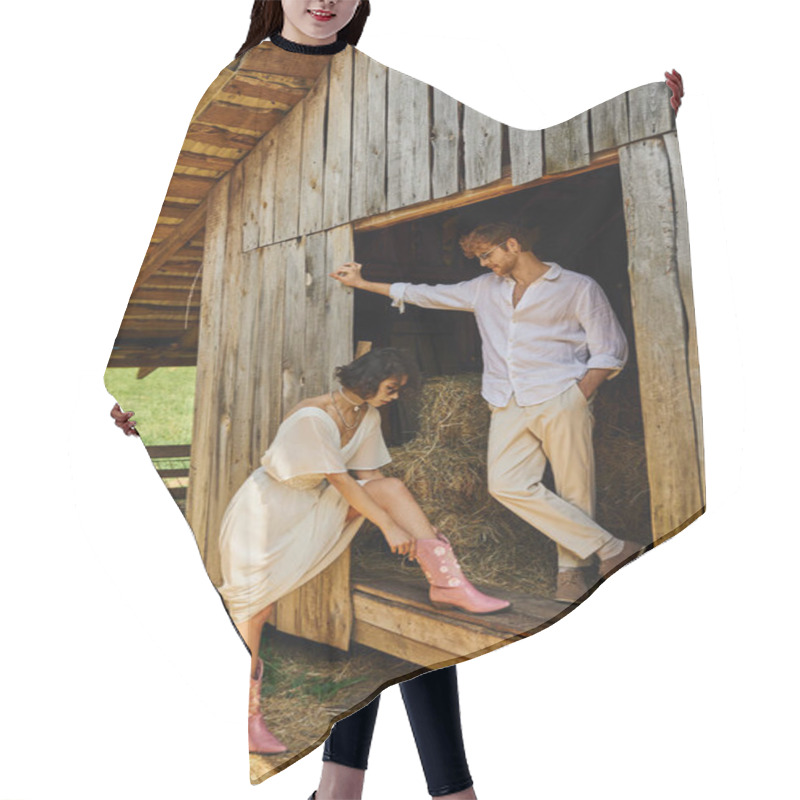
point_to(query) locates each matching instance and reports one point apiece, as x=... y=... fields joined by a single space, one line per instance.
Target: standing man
x=549 y=340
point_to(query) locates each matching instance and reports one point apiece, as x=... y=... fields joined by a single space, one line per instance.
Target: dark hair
x=266 y=19
x=365 y=375
x=494 y=234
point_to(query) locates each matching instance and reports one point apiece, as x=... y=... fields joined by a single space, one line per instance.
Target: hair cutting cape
x=294 y=164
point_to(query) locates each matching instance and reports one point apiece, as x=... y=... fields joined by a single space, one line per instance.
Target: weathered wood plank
x=268 y=390
x=460 y=638
x=316 y=334
x=408 y=141
x=483 y=149
x=445 y=146
x=313 y=163
x=321 y=609
x=687 y=293
x=368 y=169
x=253 y=173
x=266 y=208
x=216 y=227
x=247 y=355
x=237 y=142
x=610 y=124
x=338 y=303
x=399 y=646
x=338 y=140
x=287 y=176
x=292 y=255
x=566 y=146
x=527 y=157
x=469 y=196
x=661 y=342
x=243 y=118
x=649 y=111
x=189 y=187
x=220 y=458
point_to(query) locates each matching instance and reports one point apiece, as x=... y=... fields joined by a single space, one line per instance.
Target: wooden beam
x=172 y=244
x=687 y=293
x=205 y=413
x=661 y=338
x=497 y=189
x=399 y=646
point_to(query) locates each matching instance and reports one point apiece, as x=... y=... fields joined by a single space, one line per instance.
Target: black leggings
x=432 y=707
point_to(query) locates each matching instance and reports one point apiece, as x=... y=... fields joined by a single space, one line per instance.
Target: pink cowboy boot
x=449 y=587
x=259 y=738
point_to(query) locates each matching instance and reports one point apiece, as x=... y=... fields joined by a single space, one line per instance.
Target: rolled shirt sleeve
x=446 y=296
x=608 y=347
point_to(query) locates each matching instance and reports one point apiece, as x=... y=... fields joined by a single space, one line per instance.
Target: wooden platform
x=393 y=615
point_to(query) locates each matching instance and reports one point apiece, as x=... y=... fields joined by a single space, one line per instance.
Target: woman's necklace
x=356 y=409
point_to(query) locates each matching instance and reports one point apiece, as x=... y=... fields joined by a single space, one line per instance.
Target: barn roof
x=248 y=98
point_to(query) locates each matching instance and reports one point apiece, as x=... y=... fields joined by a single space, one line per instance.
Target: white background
x=121 y=675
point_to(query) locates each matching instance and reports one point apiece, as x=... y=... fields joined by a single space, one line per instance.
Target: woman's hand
x=124 y=420
x=349 y=274
x=675 y=83
x=400 y=540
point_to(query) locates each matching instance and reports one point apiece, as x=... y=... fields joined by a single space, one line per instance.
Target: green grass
x=163 y=402
x=296 y=677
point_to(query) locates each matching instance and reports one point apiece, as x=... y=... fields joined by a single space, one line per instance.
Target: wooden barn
x=294 y=165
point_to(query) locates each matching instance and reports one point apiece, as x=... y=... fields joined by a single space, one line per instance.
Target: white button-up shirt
x=562 y=327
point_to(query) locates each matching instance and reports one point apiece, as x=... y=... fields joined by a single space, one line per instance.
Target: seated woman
x=299 y=511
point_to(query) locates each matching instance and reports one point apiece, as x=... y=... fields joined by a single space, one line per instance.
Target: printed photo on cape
x=294 y=165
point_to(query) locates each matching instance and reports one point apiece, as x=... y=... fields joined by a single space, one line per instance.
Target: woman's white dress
x=287 y=523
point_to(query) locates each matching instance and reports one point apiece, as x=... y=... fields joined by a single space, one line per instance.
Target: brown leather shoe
x=608 y=566
x=570 y=586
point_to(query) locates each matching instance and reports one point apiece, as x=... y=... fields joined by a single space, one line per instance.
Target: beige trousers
x=522 y=439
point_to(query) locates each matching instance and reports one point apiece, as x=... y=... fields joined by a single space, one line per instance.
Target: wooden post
x=662 y=339
x=197 y=499
x=321 y=610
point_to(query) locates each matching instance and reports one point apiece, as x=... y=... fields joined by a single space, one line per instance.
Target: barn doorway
x=576 y=221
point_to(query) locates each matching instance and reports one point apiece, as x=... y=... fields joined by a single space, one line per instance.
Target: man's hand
x=592 y=381
x=349 y=274
x=124 y=420
x=675 y=83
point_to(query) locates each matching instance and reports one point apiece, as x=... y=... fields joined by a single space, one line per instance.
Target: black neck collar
x=308 y=49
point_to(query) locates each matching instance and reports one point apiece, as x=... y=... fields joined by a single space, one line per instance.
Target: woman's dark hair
x=266 y=19
x=365 y=375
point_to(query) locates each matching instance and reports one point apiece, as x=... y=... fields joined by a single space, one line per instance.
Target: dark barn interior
x=577 y=222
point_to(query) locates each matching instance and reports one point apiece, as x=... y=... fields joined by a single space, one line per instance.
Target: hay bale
x=444 y=467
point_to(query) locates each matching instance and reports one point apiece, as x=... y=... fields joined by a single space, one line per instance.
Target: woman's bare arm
x=398 y=539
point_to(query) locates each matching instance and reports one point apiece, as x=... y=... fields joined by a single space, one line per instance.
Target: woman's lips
x=322 y=16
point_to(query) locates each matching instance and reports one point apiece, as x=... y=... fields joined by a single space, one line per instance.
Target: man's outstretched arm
x=446 y=296
x=350 y=275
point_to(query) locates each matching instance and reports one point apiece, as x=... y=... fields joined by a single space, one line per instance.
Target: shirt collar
x=554 y=271
x=551 y=274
